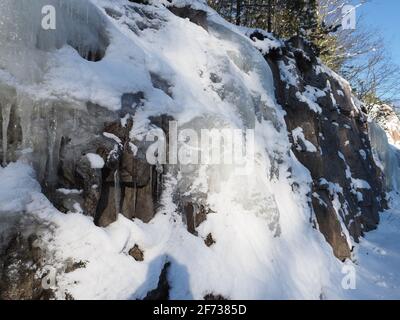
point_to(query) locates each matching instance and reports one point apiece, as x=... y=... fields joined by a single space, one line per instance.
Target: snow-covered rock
x=83 y=112
x=325 y=118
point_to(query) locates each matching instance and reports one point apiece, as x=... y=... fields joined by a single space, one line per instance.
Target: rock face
x=386 y=153
x=126 y=184
x=327 y=127
x=22 y=263
x=330 y=138
x=136 y=253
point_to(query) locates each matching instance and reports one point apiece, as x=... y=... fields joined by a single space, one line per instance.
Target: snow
x=310 y=97
x=96 y=162
x=23 y=177
x=355 y=182
x=321 y=68
x=298 y=136
x=288 y=73
x=112 y=137
x=378 y=258
x=335 y=190
x=266 y=247
x=266 y=45
x=363 y=154
x=69 y=191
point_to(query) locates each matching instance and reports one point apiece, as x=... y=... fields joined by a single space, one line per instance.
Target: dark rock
x=194 y=215
x=257 y=35
x=72 y=266
x=162 y=121
x=14 y=133
x=160 y=83
x=339 y=131
x=140 y=1
x=198 y=17
x=215 y=78
x=139 y=202
x=27 y=267
x=131 y=185
x=107 y=206
x=118 y=130
x=130 y=102
x=209 y=240
x=329 y=225
x=213 y=296
x=21 y=262
x=113 y=13
x=92 y=184
x=136 y=253
x=134 y=171
x=69 y=297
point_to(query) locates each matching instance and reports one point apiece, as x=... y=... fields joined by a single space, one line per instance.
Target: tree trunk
x=269 y=18
x=238 y=11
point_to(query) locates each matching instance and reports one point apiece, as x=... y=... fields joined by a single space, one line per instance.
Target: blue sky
x=385 y=16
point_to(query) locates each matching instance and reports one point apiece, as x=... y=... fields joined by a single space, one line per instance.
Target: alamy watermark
x=187 y=146
x=349 y=280
x=49 y=17
x=349 y=19
x=348 y=11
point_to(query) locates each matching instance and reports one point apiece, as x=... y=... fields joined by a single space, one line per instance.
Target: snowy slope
x=378 y=258
x=110 y=273
x=266 y=247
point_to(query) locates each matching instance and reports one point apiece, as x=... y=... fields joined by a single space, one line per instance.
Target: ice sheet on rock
x=25 y=42
x=251 y=214
x=386 y=156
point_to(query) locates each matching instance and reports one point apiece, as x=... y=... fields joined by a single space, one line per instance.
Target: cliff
x=83 y=201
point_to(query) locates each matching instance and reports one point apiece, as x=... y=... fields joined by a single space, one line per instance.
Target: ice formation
x=386 y=155
x=65 y=83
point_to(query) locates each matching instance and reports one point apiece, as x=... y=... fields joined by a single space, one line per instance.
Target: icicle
x=25 y=107
x=5 y=113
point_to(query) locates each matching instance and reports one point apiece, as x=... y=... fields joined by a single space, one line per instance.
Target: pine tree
x=285 y=18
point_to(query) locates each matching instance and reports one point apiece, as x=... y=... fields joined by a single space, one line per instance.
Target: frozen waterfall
x=56 y=94
x=386 y=156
